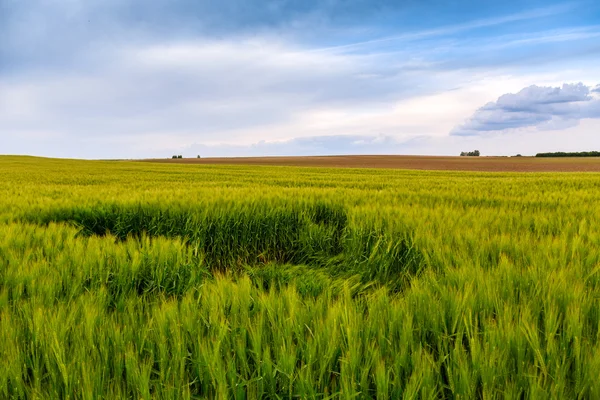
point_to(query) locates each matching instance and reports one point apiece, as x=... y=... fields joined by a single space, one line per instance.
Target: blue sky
x=133 y=79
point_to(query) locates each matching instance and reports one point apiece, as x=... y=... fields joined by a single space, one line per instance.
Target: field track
x=490 y=164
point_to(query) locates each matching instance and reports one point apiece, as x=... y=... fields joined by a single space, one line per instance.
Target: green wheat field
x=142 y=281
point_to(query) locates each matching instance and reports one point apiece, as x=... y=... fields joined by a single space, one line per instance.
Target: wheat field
x=173 y=281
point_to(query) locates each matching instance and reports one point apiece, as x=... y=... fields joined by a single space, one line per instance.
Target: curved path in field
x=497 y=164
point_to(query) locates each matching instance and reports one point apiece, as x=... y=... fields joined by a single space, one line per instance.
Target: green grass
x=130 y=280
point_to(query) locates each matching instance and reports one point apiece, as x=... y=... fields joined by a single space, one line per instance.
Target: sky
x=143 y=79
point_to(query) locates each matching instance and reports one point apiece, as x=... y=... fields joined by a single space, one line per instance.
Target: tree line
x=572 y=154
x=470 y=153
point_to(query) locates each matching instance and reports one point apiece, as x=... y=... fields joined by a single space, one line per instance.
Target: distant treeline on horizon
x=575 y=154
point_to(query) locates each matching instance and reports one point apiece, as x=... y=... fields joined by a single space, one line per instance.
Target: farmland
x=150 y=280
x=440 y=163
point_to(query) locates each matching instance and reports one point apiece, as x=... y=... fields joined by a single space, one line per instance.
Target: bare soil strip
x=491 y=164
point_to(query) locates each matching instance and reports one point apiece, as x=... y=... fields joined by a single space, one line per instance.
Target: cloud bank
x=313 y=145
x=545 y=108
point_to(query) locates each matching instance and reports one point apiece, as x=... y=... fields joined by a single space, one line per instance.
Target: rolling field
x=148 y=280
x=439 y=163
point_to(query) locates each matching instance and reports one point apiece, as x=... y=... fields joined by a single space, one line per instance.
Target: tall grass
x=121 y=280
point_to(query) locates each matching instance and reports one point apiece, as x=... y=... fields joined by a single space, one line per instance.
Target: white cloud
x=453 y=29
x=526 y=141
x=212 y=92
x=544 y=107
x=141 y=98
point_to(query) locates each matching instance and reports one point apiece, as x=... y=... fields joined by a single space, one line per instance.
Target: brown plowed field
x=492 y=164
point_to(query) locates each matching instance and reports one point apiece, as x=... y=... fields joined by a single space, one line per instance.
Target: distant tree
x=174 y=157
x=470 y=153
x=576 y=154
x=198 y=156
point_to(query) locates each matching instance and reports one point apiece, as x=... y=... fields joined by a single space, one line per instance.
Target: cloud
x=171 y=93
x=527 y=142
x=547 y=108
x=313 y=145
x=453 y=29
x=129 y=78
